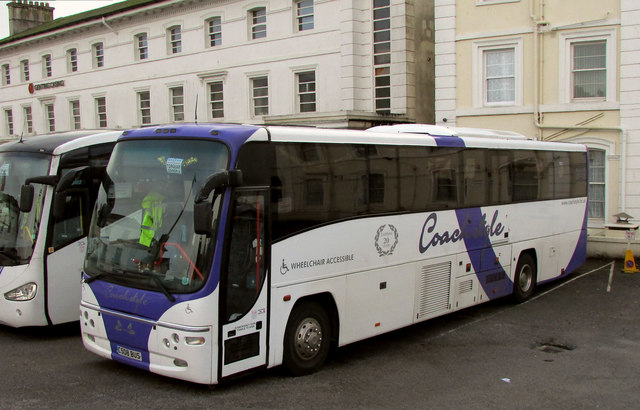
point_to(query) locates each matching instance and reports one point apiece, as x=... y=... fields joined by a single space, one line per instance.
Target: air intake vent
x=433 y=290
x=465 y=286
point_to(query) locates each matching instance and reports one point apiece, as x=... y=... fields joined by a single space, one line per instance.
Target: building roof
x=79 y=18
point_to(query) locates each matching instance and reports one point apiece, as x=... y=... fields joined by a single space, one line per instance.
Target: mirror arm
x=44 y=180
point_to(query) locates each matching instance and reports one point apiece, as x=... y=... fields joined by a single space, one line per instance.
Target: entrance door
x=244 y=285
x=65 y=254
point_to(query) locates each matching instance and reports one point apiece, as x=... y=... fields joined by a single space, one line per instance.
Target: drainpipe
x=537 y=86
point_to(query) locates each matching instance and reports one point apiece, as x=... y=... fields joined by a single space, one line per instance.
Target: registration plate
x=131 y=354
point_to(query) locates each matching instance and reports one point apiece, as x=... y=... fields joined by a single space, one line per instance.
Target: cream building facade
x=556 y=70
x=334 y=63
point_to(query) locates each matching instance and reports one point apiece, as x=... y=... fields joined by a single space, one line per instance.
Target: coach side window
x=525 y=176
x=445 y=174
x=546 y=174
x=499 y=177
x=476 y=178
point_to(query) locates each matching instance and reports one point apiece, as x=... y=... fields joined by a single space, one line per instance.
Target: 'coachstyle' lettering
x=440 y=238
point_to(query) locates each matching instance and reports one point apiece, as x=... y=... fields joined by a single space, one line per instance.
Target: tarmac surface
x=574 y=345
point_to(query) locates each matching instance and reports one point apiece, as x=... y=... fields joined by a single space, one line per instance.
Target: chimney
x=24 y=15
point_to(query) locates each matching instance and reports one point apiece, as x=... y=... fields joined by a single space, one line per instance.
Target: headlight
x=22 y=293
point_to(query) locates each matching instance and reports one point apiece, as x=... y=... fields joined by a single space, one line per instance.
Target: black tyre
x=306 y=339
x=524 y=281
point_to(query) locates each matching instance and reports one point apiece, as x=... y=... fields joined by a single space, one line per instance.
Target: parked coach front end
x=152 y=268
x=41 y=251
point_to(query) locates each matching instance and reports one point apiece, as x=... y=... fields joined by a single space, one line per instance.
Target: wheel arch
x=327 y=301
x=532 y=253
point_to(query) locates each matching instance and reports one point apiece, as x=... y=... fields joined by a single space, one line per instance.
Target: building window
x=382 y=55
x=174 y=35
x=304 y=16
x=8 y=116
x=258 y=22
x=142 y=46
x=597 y=194
x=25 y=70
x=260 y=95
x=177 y=103
x=214 y=31
x=50 y=117
x=72 y=60
x=74 y=107
x=46 y=65
x=101 y=112
x=589 y=69
x=98 y=55
x=28 y=118
x=144 y=104
x=216 y=99
x=307 y=91
x=6 y=74
x=499 y=76
x=497 y=73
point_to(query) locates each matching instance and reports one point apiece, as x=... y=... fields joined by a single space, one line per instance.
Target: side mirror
x=68 y=178
x=202 y=218
x=27 y=190
x=26 y=198
x=59 y=199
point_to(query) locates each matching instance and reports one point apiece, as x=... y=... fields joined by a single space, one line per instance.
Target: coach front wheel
x=307 y=338
x=524 y=281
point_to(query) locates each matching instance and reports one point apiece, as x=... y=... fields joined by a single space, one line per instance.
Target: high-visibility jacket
x=151 y=217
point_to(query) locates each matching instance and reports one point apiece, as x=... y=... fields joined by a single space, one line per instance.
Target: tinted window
x=314 y=184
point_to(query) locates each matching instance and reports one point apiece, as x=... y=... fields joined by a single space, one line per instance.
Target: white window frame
x=9 y=121
x=174 y=45
x=252 y=89
x=565 y=64
x=24 y=70
x=610 y=160
x=72 y=60
x=97 y=52
x=49 y=115
x=6 y=74
x=478 y=70
x=100 y=114
x=47 y=69
x=209 y=34
x=173 y=113
x=74 y=117
x=138 y=48
x=252 y=24
x=141 y=108
x=299 y=17
x=27 y=113
x=210 y=101
x=298 y=93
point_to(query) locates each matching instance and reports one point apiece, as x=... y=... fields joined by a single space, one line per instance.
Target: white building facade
x=336 y=63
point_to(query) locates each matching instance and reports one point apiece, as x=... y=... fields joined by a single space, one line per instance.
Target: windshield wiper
x=94 y=277
x=162 y=287
x=99 y=275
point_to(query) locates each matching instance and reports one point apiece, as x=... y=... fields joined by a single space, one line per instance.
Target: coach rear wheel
x=307 y=338
x=524 y=281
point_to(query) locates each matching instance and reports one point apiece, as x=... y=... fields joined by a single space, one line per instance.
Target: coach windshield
x=142 y=232
x=18 y=230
